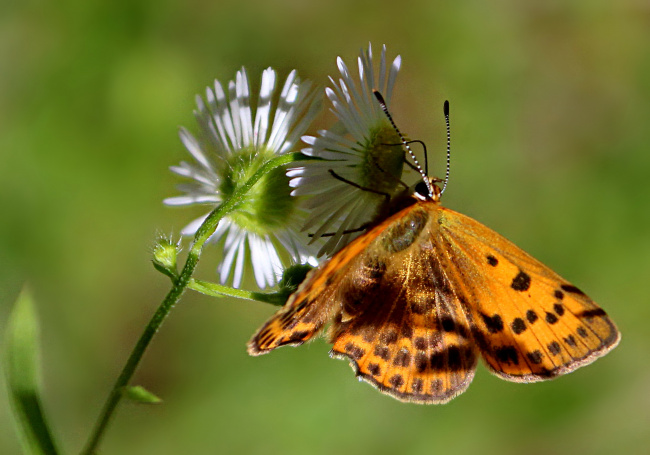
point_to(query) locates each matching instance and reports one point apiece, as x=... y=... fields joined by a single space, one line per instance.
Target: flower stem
x=179 y=285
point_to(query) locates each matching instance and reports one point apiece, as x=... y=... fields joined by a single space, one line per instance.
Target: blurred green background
x=550 y=107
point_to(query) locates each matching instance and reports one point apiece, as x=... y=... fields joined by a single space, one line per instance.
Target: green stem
x=180 y=284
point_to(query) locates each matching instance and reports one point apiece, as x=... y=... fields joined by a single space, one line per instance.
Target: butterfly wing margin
x=529 y=323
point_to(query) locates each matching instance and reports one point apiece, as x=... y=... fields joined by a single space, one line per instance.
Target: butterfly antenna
x=446 y=112
x=382 y=103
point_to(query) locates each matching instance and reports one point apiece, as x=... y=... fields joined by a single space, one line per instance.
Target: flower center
x=383 y=161
x=269 y=204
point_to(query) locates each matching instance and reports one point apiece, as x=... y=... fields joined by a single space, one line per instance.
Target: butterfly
x=416 y=299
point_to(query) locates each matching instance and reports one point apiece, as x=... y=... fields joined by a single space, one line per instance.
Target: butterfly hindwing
x=529 y=323
x=400 y=325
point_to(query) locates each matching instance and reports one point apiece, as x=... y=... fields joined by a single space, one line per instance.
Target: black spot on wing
x=494 y=323
x=367 y=333
x=454 y=358
x=435 y=340
x=389 y=337
x=521 y=282
x=480 y=339
x=558 y=294
x=297 y=336
x=554 y=347
x=448 y=324
x=382 y=352
x=407 y=330
x=421 y=362
x=402 y=358
x=420 y=343
x=551 y=318
x=572 y=289
x=492 y=260
x=559 y=309
x=374 y=369
x=355 y=352
x=396 y=381
x=518 y=326
x=596 y=312
x=418 y=308
x=535 y=357
x=438 y=361
x=507 y=354
x=531 y=316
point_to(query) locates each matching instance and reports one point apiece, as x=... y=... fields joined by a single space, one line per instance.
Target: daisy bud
x=165 y=253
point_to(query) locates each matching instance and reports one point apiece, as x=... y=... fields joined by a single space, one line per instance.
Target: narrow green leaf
x=22 y=370
x=141 y=395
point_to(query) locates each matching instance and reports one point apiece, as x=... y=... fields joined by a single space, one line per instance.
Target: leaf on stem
x=140 y=395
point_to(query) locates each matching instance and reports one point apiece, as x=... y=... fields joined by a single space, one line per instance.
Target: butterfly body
x=414 y=301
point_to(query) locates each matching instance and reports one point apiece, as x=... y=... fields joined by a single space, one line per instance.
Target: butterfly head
x=430 y=192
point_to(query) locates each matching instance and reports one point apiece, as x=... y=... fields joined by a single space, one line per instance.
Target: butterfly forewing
x=314 y=303
x=529 y=323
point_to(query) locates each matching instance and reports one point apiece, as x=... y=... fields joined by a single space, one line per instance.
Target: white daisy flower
x=234 y=141
x=363 y=153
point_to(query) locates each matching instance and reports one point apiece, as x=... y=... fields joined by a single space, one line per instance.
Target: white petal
x=194 y=148
x=222 y=228
x=243 y=101
x=283 y=113
x=275 y=264
x=177 y=201
x=191 y=228
x=264 y=106
x=394 y=69
x=222 y=116
x=234 y=115
x=231 y=247
x=258 y=255
x=239 y=266
x=207 y=178
x=308 y=108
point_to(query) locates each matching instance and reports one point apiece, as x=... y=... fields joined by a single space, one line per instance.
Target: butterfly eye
x=422 y=190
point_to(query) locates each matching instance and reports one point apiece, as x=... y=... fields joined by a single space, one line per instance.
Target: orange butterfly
x=416 y=299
